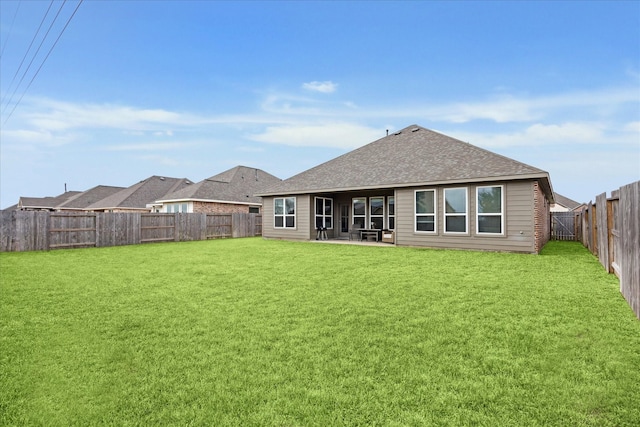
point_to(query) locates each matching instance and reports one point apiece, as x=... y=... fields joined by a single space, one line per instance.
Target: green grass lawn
x=273 y=333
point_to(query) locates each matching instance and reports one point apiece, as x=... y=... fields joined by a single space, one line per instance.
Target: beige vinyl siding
x=303 y=215
x=518 y=211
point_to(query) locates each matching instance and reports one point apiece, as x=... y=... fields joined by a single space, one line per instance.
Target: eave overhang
x=543 y=178
x=228 y=202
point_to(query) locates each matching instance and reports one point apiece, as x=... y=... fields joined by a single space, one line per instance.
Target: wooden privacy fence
x=32 y=230
x=565 y=225
x=611 y=231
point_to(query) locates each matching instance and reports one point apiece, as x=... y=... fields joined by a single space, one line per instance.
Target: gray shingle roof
x=565 y=201
x=138 y=196
x=412 y=156
x=238 y=184
x=89 y=197
x=46 y=202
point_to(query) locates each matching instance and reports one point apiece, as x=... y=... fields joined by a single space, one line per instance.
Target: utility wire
x=27 y=52
x=37 y=51
x=43 y=61
x=4 y=45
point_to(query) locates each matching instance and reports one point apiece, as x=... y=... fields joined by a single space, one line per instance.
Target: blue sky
x=190 y=89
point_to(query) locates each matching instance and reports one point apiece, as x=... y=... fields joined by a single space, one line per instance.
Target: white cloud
x=58 y=116
x=34 y=136
x=323 y=87
x=27 y=135
x=633 y=127
x=246 y=149
x=295 y=120
x=538 y=135
x=599 y=103
x=338 y=135
x=163 y=133
x=507 y=109
x=151 y=146
x=160 y=160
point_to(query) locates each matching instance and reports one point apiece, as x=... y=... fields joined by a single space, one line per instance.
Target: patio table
x=370 y=232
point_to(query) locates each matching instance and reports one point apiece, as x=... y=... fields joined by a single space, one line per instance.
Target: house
x=45 y=203
x=232 y=191
x=86 y=198
x=428 y=189
x=68 y=201
x=564 y=204
x=140 y=196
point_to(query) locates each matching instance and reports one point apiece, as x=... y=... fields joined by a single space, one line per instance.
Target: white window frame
x=323 y=216
x=178 y=207
x=500 y=214
x=372 y=216
x=284 y=213
x=353 y=211
x=391 y=213
x=456 y=214
x=434 y=214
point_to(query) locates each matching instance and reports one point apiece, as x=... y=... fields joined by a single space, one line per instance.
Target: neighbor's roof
x=46 y=202
x=238 y=184
x=89 y=197
x=565 y=201
x=412 y=156
x=139 y=195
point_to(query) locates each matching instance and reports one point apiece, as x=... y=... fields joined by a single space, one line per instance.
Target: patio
x=354 y=242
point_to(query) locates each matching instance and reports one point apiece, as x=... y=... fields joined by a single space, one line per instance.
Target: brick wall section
x=542 y=218
x=219 y=208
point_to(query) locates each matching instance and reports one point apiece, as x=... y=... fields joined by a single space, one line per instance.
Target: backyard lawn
x=243 y=332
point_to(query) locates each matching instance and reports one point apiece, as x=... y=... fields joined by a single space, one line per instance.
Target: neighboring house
x=45 y=203
x=81 y=201
x=231 y=191
x=564 y=204
x=430 y=189
x=139 y=197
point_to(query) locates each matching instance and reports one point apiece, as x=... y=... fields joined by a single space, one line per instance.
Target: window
x=425 y=210
x=376 y=212
x=324 y=213
x=455 y=210
x=490 y=218
x=254 y=209
x=284 y=212
x=177 y=207
x=360 y=212
x=391 y=211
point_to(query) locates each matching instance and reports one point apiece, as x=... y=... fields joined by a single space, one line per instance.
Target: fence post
x=602 y=227
x=610 y=237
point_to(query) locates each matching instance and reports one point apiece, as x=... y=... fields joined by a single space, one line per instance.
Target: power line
x=26 y=53
x=29 y=49
x=45 y=58
x=4 y=45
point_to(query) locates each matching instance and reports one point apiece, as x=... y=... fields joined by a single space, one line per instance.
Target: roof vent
x=415 y=129
x=398 y=133
x=162 y=178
